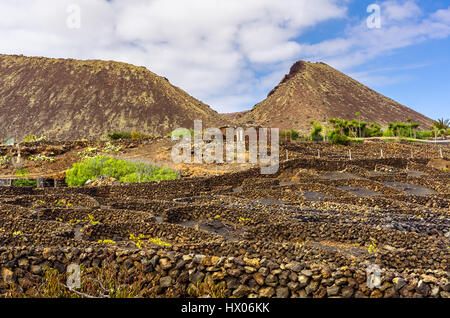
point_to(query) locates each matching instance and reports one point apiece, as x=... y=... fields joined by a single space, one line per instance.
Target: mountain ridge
x=73 y=99
x=69 y=99
x=316 y=91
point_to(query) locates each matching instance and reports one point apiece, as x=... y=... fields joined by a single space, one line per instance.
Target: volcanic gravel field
x=317 y=228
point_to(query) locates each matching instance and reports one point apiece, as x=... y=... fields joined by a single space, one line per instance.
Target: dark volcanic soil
x=304 y=232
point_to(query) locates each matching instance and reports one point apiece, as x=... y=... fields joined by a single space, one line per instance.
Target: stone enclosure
x=321 y=227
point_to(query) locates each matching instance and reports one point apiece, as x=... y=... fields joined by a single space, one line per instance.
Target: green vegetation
x=30 y=138
x=290 y=134
x=159 y=242
x=106 y=242
x=339 y=139
x=316 y=133
x=92 y=151
x=440 y=128
x=442 y=124
x=89 y=220
x=34 y=138
x=359 y=129
x=355 y=128
x=373 y=130
x=244 y=221
x=429 y=134
x=62 y=203
x=119 y=135
x=373 y=248
x=142 y=241
x=137 y=135
x=96 y=282
x=41 y=158
x=358 y=114
x=341 y=127
x=407 y=130
x=137 y=240
x=127 y=135
x=181 y=133
x=207 y=288
x=24 y=183
x=4 y=159
x=88 y=152
x=121 y=170
x=22 y=173
x=111 y=148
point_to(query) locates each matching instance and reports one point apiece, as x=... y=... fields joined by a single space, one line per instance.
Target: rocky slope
x=69 y=99
x=316 y=91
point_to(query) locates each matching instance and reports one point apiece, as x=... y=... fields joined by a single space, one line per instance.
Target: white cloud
x=383 y=76
x=228 y=53
x=397 y=11
x=442 y=15
x=211 y=48
x=402 y=26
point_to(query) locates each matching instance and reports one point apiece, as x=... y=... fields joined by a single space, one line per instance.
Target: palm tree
x=354 y=124
x=442 y=124
x=414 y=127
x=358 y=114
x=409 y=120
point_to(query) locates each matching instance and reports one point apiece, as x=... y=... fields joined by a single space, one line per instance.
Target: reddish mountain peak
x=298 y=67
x=316 y=91
x=70 y=99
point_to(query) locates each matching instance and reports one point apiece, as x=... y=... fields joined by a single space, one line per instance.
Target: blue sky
x=415 y=75
x=231 y=53
x=418 y=73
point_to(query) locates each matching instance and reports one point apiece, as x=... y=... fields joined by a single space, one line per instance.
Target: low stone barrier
x=180 y=275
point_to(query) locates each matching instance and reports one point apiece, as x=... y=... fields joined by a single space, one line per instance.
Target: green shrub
x=40 y=158
x=121 y=170
x=360 y=129
x=88 y=152
x=341 y=126
x=4 y=159
x=34 y=138
x=373 y=130
x=137 y=135
x=425 y=134
x=22 y=173
x=30 y=138
x=127 y=135
x=408 y=129
x=339 y=139
x=316 y=133
x=24 y=183
x=119 y=135
x=442 y=124
x=109 y=147
x=388 y=133
x=295 y=134
x=135 y=177
x=291 y=134
x=181 y=133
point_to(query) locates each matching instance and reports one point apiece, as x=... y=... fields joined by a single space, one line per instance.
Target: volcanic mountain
x=69 y=99
x=316 y=91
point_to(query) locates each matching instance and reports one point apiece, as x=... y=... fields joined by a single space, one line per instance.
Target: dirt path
x=437 y=142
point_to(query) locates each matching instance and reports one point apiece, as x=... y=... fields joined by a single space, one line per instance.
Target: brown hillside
x=68 y=99
x=316 y=91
